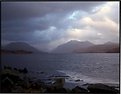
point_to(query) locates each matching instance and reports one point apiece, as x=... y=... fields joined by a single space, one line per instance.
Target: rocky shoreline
x=15 y=80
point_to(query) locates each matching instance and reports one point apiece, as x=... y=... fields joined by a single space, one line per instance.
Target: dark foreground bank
x=17 y=80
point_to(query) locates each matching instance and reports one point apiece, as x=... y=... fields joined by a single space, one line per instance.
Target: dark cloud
x=43 y=24
x=23 y=26
x=17 y=36
x=25 y=10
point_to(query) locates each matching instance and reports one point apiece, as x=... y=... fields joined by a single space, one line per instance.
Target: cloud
x=23 y=10
x=99 y=26
x=23 y=26
x=49 y=24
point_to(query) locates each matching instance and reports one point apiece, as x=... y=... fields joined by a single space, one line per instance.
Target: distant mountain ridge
x=20 y=47
x=87 y=47
x=71 y=46
x=102 y=48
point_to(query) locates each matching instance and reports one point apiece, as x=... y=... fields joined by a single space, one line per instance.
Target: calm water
x=91 y=67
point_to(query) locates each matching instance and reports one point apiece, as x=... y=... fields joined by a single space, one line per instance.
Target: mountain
x=108 y=47
x=75 y=46
x=19 y=47
x=114 y=50
x=71 y=46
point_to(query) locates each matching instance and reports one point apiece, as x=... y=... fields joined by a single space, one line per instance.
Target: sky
x=45 y=25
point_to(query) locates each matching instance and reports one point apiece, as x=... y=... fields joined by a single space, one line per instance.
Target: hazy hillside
x=86 y=47
x=71 y=46
x=103 y=48
x=20 y=47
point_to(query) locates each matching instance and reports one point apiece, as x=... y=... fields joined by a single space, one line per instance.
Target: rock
x=53 y=89
x=68 y=90
x=50 y=89
x=101 y=88
x=59 y=82
x=60 y=90
x=42 y=72
x=62 y=76
x=78 y=89
x=7 y=85
x=25 y=71
x=18 y=89
x=77 y=80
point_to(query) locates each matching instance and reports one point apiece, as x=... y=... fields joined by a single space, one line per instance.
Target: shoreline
x=74 y=80
x=23 y=83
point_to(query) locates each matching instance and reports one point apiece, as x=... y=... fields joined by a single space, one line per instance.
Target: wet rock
x=25 y=71
x=50 y=89
x=7 y=86
x=78 y=89
x=11 y=76
x=42 y=72
x=101 y=88
x=53 y=89
x=18 y=89
x=59 y=82
x=68 y=90
x=62 y=76
x=77 y=80
x=60 y=90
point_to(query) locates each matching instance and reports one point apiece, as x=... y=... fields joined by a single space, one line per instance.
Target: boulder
x=60 y=90
x=42 y=72
x=52 y=89
x=59 y=82
x=77 y=80
x=78 y=89
x=6 y=85
x=101 y=88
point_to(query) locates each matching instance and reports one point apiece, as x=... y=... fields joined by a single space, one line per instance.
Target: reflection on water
x=84 y=66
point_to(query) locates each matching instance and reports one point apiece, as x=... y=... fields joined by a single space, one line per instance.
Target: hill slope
x=86 y=47
x=103 y=48
x=20 y=47
x=71 y=46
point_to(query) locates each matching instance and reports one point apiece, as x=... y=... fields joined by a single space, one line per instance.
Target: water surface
x=90 y=67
